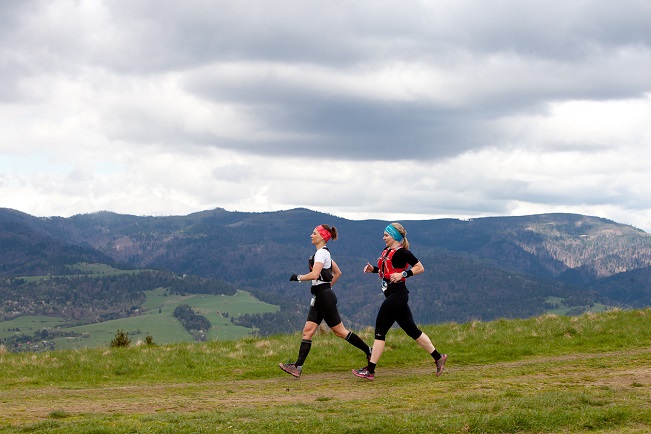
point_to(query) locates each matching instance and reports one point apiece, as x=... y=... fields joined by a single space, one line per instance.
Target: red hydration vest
x=385 y=264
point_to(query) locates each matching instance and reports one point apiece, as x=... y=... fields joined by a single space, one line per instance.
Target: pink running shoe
x=363 y=373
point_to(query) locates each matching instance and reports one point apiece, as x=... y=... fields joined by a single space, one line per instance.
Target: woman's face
x=390 y=241
x=316 y=237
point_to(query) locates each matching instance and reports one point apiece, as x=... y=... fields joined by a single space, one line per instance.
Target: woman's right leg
x=383 y=323
x=309 y=329
x=306 y=343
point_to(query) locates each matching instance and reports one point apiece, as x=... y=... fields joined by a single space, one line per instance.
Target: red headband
x=324 y=233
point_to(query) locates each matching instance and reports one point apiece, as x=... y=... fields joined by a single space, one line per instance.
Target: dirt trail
x=38 y=403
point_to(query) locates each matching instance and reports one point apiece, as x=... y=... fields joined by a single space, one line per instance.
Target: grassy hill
x=588 y=373
x=157 y=321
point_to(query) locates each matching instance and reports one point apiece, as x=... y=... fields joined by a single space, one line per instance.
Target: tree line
x=86 y=299
x=197 y=325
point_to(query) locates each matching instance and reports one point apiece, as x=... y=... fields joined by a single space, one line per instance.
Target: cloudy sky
x=387 y=109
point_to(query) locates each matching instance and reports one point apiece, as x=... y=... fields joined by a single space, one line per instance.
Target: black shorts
x=325 y=308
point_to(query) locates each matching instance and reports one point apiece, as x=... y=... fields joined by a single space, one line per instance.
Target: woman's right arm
x=370 y=268
x=314 y=274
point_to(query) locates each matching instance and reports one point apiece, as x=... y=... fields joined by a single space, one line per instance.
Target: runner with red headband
x=324 y=272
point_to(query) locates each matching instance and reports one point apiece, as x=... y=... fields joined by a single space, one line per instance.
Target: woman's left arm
x=336 y=272
x=418 y=268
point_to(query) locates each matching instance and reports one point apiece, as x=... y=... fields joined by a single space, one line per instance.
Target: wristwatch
x=404 y=274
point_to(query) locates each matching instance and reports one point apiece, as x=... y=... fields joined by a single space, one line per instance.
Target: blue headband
x=391 y=230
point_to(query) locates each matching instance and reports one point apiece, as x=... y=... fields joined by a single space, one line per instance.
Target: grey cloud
x=135 y=36
x=360 y=130
x=499 y=65
x=342 y=32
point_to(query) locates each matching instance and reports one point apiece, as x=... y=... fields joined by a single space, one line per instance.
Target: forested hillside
x=29 y=248
x=476 y=269
x=90 y=298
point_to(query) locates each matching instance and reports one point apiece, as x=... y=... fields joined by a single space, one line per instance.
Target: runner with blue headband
x=394 y=266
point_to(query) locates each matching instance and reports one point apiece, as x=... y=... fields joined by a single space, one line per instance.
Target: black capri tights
x=395 y=309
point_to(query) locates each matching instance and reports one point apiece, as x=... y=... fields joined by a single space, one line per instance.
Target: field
x=549 y=374
x=156 y=321
x=564 y=309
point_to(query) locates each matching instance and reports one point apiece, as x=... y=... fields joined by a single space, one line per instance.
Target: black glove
x=294 y=278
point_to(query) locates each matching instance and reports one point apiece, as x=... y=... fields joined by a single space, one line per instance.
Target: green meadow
x=156 y=320
x=564 y=309
x=548 y=374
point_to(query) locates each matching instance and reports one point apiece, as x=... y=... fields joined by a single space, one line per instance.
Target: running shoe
x=363 y=373
x=291 y=369
x=440 y=364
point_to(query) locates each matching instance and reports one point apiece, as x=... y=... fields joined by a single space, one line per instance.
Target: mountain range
x=476 y=269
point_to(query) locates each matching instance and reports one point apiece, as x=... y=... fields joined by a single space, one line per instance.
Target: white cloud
x=379 y=109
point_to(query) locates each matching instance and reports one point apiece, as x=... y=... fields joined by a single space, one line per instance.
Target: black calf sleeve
x=303 y=351
x=355 y=340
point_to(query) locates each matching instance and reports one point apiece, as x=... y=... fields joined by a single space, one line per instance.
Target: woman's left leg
x=328 y=308
x=406 y=321
x=425 y=343
x=352 y=338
